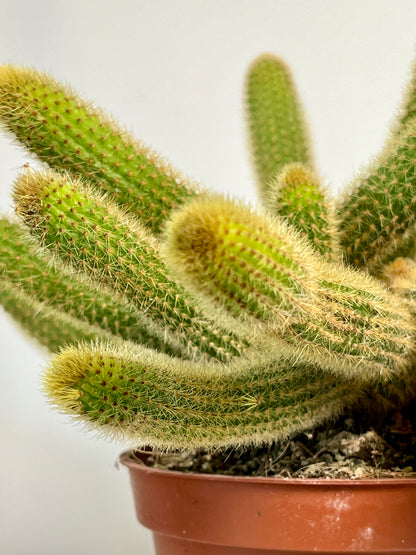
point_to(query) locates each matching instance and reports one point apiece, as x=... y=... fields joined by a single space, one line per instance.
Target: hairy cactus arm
x=297 y=195
x=251 y=265
x=367 y=332
x=255 y=268
x=407 y=110
x=50 y=327
x=94 y=235
x=378 y=213
x=277 y=129
x=45 y=280
x=70 y=134
x=400 y=276
x=148 y=398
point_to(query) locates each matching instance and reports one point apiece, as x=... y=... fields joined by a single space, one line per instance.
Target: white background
x=172 y=71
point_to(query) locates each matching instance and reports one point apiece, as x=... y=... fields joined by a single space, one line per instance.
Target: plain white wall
x=172 y=71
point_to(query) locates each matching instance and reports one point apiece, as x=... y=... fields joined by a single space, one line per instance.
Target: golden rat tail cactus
x=183 y=319
x=278 y=130
x=69 y=134
x=298 y=196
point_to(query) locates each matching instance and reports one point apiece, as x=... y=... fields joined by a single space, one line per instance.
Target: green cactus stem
x=44 y=280
x=69 y=134
x=260 y=331
x=277 y=129
x=378 y=215
x=148 y=398
x=52 y=328
x=94 y=235
x=251 y=265
x=407 y=110
x=400 y=276
x=366 y=331
x=298 y=196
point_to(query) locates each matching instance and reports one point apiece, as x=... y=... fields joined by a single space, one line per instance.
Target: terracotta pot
x=226 y=515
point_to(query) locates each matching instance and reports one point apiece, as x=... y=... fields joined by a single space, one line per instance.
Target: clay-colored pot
x=202 y=514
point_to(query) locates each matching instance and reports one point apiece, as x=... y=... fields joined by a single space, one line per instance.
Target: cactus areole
x=189 y=321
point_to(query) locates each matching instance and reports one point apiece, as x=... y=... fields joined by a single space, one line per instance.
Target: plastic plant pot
x=205 y=514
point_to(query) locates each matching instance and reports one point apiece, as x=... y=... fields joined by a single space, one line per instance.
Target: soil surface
x=384 y=447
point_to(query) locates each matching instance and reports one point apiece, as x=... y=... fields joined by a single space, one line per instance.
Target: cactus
x=91 y=232
x=187 y=320
x=407 y=110
x=69 y=134
x=400 y=276
x=277 y=129
x=130 y=393
x=52 y=328
x=42 y=279
x=328 y=314
x=297 y=195
x=378 y=214
x=373 y=232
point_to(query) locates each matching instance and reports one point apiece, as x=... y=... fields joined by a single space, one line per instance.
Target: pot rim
x=130 y=459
